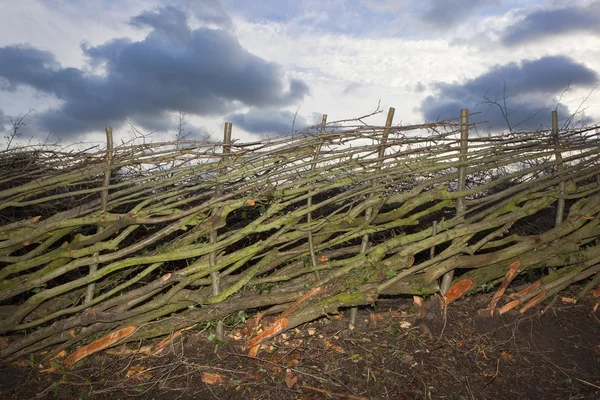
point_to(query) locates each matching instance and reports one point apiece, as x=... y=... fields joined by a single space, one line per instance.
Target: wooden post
x=89 y=295
x=433 y=233
x=369 y=211
x=213 y=239
x=560 y=208
x=313 y=254
x=462 y=183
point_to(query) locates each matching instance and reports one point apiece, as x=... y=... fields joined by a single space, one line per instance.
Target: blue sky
x=78 y=66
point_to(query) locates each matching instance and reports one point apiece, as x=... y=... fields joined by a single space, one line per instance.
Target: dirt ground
x=387 y=355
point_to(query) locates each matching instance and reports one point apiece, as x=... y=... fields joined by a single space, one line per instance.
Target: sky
x=271 y=66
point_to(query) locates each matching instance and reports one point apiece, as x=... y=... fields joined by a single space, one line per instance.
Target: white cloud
x=390 y=68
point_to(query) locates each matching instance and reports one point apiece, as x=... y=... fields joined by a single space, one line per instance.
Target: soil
x=389 y=354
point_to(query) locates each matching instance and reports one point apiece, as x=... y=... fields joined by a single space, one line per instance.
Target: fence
x=176 y=234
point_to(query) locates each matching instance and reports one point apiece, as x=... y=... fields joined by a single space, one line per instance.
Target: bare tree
x=181 y=123
x=500 y=101
x=16 y=126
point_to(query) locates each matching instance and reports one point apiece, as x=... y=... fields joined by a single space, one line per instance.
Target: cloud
x=266 y=122
x=351 y=88
x=3 y=121
x=447 y=13
x=353 y=18
x=206 y=11
x=552 y=22
x=387 y=5
x=204 y=71
x=531 y=86
x=414 y=14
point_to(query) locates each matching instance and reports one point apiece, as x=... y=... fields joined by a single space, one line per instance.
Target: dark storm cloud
x=203 y=71
x=208 y=12
x=531 y=86
x=554 y=22
x=447 y=13
x=268 y=121
x=3 y=121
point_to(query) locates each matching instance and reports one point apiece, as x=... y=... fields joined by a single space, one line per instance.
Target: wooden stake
x=560 y=208
x=313 y=254
x=369 y=211
x=462 y=183
x=215 y=276
x=89 y=295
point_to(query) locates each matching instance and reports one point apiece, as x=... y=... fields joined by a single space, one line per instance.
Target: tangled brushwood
x=147 y=239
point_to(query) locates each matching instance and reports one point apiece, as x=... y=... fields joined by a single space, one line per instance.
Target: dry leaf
x=135 y=370
x=418 y=301
x=211 y=379
x=290 y=379
x=334 y=346
x=238 y=335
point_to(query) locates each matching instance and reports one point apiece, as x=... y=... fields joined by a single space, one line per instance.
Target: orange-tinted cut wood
x=98 y=345
x=458 y=289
